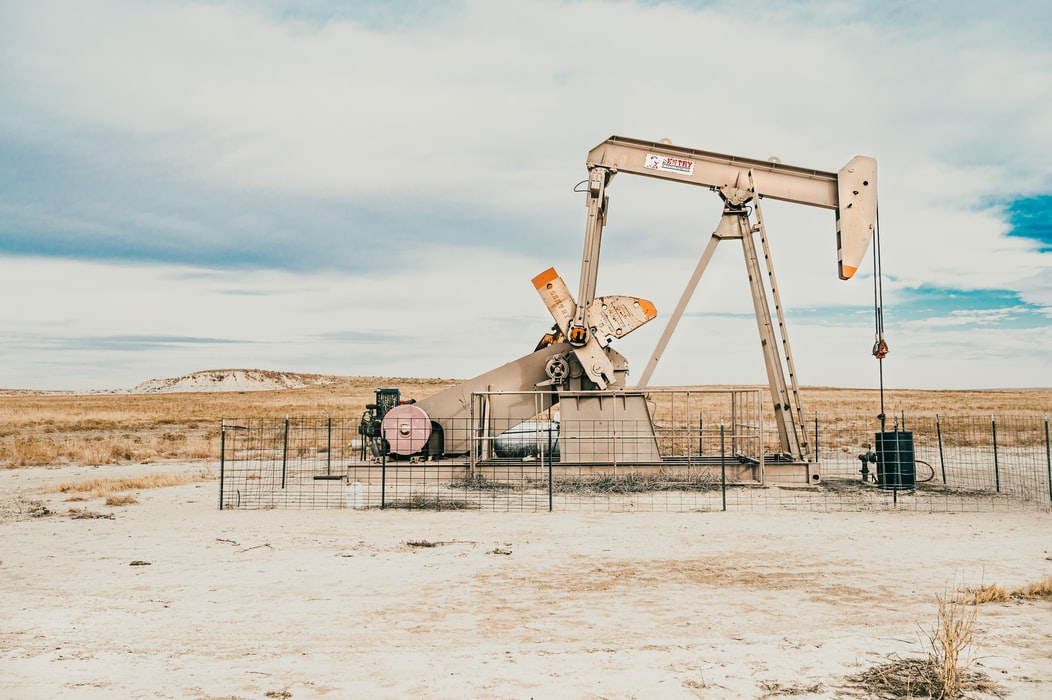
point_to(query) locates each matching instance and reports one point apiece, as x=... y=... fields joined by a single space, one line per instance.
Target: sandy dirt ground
x=172 y=598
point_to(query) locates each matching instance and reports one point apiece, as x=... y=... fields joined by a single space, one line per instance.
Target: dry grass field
x=121 y=578
x=51 y=428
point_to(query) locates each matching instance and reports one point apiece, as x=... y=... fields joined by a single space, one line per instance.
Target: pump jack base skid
x=791 y=473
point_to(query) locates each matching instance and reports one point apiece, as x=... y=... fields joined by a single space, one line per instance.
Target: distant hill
x=232 y=380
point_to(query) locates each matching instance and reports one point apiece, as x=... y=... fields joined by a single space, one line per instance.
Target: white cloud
x=969 y=317
x=482 y=116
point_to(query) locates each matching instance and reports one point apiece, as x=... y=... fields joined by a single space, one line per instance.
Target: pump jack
x=576 y=366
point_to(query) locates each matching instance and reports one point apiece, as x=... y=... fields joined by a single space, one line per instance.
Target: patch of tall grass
x=999 y=594
x=106 y=448
x=114 y=487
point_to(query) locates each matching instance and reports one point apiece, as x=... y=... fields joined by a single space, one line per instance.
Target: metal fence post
x=942 y=462
x=551 y=458
x=1048 y=459
x=285 y=453
x=222 y=456
x=898 y=464
x=383 y=474
x=701 y=433
x=328 y=450
x=723 y=467
x=472 y=442
x=997 y=469
x=816 y=437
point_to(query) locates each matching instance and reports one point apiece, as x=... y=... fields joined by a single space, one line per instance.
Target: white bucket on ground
x=355 y=495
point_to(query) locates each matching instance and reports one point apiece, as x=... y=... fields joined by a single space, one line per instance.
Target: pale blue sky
x=367 y=188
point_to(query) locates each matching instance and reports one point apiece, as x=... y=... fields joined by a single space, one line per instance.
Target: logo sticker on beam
x=669 y=164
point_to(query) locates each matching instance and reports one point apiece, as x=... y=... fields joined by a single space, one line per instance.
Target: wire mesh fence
x=707 y=456
x=996 y=457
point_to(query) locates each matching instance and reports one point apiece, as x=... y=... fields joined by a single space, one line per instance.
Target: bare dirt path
x=171 y=598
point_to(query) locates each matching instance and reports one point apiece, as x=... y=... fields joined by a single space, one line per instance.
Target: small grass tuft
x=422 y=502
x=78 y=514
x=121 y=500
x=481 y=483
x=988 y=594
x=951 y=639
x=771 y=690
x=1038 y=589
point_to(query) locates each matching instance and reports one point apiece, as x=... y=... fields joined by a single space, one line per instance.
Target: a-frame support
x=735 y=223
